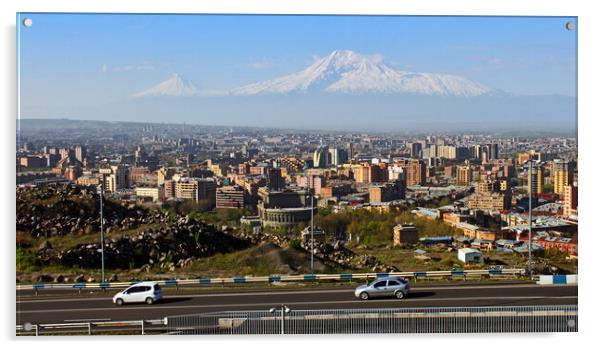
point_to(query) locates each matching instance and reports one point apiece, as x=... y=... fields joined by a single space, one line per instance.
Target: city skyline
x=49 y=124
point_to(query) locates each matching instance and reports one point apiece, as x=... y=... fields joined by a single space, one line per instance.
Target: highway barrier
x=141 y=327
x=557 y=280
x=280 y=278
x=282 y=320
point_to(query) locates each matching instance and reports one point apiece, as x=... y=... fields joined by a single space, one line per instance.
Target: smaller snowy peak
x=176 y=85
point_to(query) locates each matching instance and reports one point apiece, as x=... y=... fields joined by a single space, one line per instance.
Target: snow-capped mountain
x=174 y=86
x=350 y=72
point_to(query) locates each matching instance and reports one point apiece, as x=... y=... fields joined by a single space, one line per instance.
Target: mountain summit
x=346 y=71
x=174 y=86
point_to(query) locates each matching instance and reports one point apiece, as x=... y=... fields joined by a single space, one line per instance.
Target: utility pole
x=102 y=229
x=311 y=193
x=530 y=208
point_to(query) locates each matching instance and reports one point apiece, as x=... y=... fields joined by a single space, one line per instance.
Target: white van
x=143 y=292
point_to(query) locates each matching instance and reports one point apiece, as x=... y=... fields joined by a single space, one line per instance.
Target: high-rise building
x=464 y=175
x=492 y=150
x=351 y=153
x=484 y=157
x=139 y=155
x=164 y=174
x=65 y=152
x=523 y=157
x=201 y=190
x=275 y=181
x=379 y=173
x=570 y=200
x=415 y=172
x=387 y=192
x=229 y=197
x=535 y=181
x=487 y=186
x=116 y=178
x=244 y=168
x=508 y=171
x=80 y=153
x=445 y=151
x=476 y=152
x=449 y=170
x=33 y=161
x=563 y=175
x=336 y=156
x=155 y=193
x=321 y=157
x=311 y=182
x=416 y=150
x=361 y=173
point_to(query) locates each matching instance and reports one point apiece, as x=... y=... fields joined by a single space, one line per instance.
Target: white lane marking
x=292 y=303
x=85 y=320
x=270 y=293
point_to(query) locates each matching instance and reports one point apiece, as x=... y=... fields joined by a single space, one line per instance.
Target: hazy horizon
x=518 y=132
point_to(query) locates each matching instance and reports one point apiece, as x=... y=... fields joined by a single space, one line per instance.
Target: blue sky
x=76 y=60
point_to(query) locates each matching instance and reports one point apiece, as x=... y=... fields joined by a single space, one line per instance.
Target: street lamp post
x=283 y=310
x=530 y=219
x=312 y=227
x=102 y=230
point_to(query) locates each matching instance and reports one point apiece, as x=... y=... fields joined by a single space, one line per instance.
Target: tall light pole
x=530 y=208
x=102 y=229
x=311 y=189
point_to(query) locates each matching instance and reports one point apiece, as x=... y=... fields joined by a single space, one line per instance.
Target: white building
x=470 y=255
x=156 y=193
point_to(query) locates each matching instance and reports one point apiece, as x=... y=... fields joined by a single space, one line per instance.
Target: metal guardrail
x=546 y=318
x=557 y=318
x=279 y=278
x=136 y=327
x=557 y=279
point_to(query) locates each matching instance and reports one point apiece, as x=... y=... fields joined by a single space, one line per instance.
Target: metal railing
x=282 y=320
x=140 y=327
x=557 y=318
x=282 y=278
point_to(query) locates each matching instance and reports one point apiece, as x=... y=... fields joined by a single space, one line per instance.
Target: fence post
x=282 y=320
x=142 y=326
x=89 y=328
x=37 y=330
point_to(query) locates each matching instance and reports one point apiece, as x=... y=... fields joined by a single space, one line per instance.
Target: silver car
x=384 y=287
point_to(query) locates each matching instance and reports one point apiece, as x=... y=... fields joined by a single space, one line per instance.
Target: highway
x=61 y=307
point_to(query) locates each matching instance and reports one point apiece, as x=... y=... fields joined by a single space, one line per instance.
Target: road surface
x=64 y=308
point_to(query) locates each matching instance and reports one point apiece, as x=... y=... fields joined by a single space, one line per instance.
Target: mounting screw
x=27 y=22
x=570 y=26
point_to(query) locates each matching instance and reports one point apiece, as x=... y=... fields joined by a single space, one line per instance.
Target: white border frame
x=589 y=126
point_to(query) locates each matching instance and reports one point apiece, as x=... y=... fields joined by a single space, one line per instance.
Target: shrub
x=294 y=243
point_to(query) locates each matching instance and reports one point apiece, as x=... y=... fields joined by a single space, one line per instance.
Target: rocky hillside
x=173 y=244
x=165 y=240
x=63 y=209
x=149 y=241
